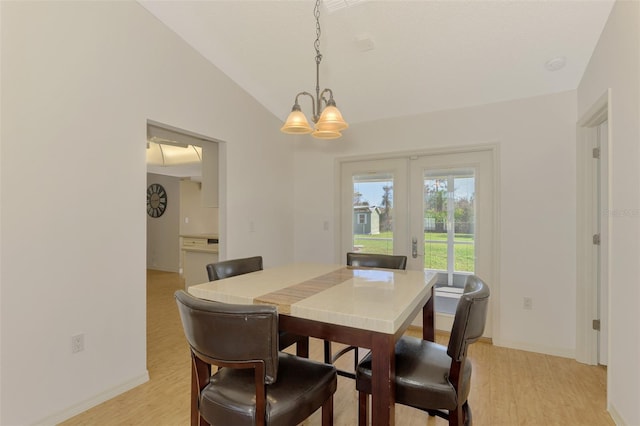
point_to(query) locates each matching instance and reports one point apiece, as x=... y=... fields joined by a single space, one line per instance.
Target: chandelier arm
x=326 y=101
x=313 y=104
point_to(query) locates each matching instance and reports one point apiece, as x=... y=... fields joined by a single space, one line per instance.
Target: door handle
x=414 y=247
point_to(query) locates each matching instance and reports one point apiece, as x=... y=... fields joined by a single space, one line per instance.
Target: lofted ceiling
x=392 y=58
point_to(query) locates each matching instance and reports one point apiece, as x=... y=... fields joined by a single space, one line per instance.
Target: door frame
x=586 y=271
x=494 y=149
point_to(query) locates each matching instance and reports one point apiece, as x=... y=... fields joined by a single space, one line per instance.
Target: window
x=449 y=221
x=373 y=230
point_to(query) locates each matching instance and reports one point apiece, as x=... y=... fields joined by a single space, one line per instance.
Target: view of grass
x=435 y=249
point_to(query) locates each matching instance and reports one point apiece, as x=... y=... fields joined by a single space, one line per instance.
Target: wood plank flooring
x=509 y=387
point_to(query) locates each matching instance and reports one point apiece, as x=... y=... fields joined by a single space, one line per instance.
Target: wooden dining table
x=364 y=307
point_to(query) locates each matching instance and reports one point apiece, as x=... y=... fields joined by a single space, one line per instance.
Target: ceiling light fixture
x=328 y=120
x=165 y=153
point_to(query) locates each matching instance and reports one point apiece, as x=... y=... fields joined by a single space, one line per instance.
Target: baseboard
x=547 y=350
x=163 y=269
x=92 y=402
x=617 y=418
x=415 y=330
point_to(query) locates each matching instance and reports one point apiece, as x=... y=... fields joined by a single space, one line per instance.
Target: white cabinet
x=197 y=252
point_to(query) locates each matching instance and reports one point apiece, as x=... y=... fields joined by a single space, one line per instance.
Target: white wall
x=79 y=81
x=536 y=139
x=163 y=240
x=615 y=64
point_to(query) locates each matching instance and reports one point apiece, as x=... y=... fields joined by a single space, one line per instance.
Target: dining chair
x=375 y=260
x=233 y=267
x=432 y=377
x=362 y=260
x=255 y=384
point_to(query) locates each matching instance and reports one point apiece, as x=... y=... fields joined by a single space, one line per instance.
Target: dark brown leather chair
x=374 y=260
x=363 y=260
x=233 y=267
x=255 y=384
x=432 y=377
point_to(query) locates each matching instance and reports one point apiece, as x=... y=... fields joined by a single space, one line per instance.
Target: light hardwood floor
x=509 y=387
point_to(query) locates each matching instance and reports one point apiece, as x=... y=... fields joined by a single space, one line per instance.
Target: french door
x=438 y=210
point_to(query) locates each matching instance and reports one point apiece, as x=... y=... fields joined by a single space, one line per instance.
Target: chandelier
x=326 y=116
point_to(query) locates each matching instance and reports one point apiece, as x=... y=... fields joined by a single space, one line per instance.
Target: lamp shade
x=326 y=134
x=331 y=119
x=296 y=123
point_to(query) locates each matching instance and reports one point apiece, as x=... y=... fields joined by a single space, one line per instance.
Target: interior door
x=601 y=250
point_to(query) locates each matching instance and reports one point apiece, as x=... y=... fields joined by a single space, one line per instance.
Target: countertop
x=207 y=236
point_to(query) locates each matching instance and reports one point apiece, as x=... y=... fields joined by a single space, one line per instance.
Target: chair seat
x=302 y=386
x=422 y=371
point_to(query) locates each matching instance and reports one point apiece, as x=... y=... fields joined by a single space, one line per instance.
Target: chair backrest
x=233 y=267
x=373 y=260
x=231 y=333
x=470 y=319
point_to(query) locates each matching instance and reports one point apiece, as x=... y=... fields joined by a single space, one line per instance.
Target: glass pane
x=464 y=219
x=449 y=220
x=373 y=213
x=435 y=222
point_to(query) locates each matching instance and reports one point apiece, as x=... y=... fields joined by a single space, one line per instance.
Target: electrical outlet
x=77 y=343
x=527 y=303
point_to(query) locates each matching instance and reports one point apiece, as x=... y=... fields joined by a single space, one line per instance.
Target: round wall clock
x=156 y=200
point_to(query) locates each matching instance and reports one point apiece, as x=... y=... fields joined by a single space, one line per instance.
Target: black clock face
x=156 y=200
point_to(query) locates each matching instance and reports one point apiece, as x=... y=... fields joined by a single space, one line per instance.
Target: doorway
x=594 y=145
x=438 y=209
x=184 y=166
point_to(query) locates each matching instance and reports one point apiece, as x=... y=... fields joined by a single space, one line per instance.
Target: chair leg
x=195 y=414
x=302 y=348
x=456 y=417
x=363 y=408
x=466 y=410
x=355 y=359
x=327 y=412
x=327 y=352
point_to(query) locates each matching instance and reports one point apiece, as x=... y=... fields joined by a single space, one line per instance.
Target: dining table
x=364 y=307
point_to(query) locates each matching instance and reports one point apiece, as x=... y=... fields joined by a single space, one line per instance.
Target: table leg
x=428 y=318
x=383 y=370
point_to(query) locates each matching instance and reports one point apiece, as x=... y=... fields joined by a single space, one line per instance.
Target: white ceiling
x=426 y=56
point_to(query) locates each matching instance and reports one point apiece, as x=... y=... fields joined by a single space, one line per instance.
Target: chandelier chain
x=316 y=44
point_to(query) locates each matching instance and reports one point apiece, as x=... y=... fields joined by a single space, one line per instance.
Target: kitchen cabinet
x=198 y=251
